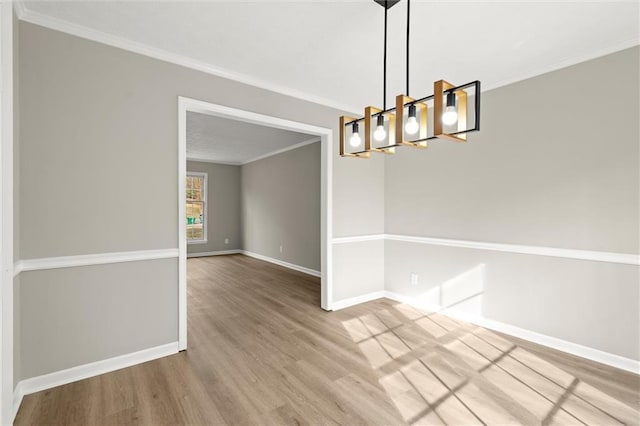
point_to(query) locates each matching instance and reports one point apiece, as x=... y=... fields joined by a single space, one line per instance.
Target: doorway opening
x=324 y=135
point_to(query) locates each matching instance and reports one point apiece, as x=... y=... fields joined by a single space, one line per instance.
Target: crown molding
x=212 y=160
x=280 y=151
x=37 y=18
x=19 y=8
x=263 y=156
x=81 y=31
x=564 y=63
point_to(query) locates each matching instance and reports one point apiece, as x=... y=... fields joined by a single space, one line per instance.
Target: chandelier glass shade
x=449 y=113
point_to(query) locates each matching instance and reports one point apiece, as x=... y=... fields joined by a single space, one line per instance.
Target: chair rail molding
x=590 y=255
x=91 y=259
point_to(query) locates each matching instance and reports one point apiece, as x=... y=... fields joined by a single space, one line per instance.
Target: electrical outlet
x=414 y=278
x=280 y=249
x=226 y=241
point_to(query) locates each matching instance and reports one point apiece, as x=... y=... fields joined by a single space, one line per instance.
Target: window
x=196 y=207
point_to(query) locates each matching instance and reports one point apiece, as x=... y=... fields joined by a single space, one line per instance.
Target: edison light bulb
x=355 y=140
x=355 y=137
x=450 y=116
x=412 y=126
x=380 y=134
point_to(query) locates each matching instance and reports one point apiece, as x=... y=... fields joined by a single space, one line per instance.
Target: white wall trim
x=358 y=238
x=280 y=151
x=143 y=49
x=73 y=374
x=260 y=157
x=7 y=255
x=58 y=24
x=613 y=360
x=18 y=396
x=91 y=259
x=213 y=161
x=345 y=303
x=182 y=220
x=596 y=256
x=566 y=62
x=214 y=253
x=293 y=266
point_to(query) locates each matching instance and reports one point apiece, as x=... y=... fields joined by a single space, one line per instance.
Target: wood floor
x=261 y=351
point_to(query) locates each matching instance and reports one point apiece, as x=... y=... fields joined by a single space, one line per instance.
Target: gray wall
x=79 y=315
x=223 y=207
x=555 y=165
x=98 y=129
x=356 y=264
x=281 y=206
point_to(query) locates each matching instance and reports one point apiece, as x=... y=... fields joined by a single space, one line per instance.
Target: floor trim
x=345 y=303
x=73 y=374
x=298 y=268
x=592 y=354
x=586 y=352
x=214 y=253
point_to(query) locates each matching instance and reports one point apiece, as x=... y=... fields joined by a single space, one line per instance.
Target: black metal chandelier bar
x=411 y=122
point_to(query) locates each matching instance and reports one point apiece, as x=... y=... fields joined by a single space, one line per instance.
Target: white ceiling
x=223 y=140
x=331 y=51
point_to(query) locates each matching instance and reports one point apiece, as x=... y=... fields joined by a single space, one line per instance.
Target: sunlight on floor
x=438 y=370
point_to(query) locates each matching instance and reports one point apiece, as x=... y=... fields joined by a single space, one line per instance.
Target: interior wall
x=281 y=206
x=223 y=207
x=555 y=165
x=98 y=167
x=88 y=313
x=355 y=263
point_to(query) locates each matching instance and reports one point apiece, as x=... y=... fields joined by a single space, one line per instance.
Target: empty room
x=318 y=212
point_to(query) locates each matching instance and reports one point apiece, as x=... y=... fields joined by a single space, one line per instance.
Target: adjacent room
x=379 y=212
x=254 y=190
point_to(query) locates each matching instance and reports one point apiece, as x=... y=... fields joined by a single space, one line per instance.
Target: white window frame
x=205 y=188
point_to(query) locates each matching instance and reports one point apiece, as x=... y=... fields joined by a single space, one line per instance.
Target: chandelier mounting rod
x=384 y=70
x=408 y=20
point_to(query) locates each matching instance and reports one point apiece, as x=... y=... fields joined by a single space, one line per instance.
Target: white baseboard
x=73 y=374
x=283 y=263
x=592 y=354
x=345 y=303
x=214 y=253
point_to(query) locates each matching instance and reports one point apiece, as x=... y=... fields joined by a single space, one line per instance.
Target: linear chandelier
x=450 y=113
